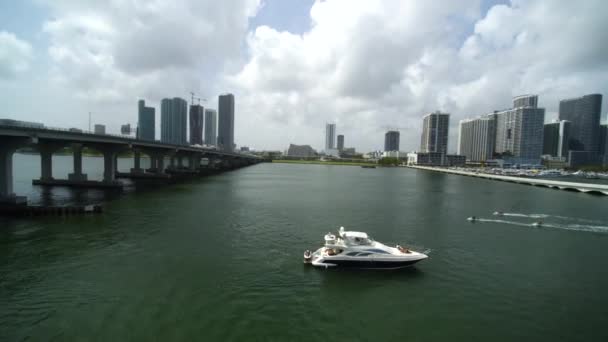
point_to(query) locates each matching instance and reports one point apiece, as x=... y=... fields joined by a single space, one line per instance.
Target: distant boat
x=368 y=166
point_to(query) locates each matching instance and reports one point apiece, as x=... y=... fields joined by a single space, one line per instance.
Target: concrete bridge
x=572 y=186
x=183 y=159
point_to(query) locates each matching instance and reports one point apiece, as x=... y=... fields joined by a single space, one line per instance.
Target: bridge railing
x=40 y=127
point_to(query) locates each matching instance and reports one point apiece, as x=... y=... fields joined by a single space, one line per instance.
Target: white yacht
x=356 y=249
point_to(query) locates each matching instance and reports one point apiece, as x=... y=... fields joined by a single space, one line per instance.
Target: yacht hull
x=379 y=264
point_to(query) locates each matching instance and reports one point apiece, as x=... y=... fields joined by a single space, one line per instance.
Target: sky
x=293 y=66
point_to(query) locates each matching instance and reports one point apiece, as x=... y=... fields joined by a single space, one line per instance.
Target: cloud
x=15 y=55
x=368 y=64
x=364 y=64
x=113 y=52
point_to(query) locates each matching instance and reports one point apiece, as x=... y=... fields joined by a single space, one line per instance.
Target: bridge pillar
x=109 y=163
x=180 y=162
x=160 y=163
x=46 y=159
x=77 y=175
x=8 y=146
x=194 y=162
x=136 y=162
x=6 y=173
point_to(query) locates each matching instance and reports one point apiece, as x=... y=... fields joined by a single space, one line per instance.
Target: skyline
x=458 y=61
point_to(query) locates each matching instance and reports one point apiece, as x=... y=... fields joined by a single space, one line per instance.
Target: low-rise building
x=333 y=152
x=435 y=159
x=100 y=129
x=304 y=151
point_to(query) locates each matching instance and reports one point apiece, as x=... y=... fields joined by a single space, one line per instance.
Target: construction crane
x=394 y=128
x=197 y=98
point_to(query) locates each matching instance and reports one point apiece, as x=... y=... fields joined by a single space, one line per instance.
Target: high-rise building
x=330 y=137
x=391 y=141
x=197 y=114
x=210 y=127
x=340 y=142
x=584 y=113
x=173 y=120
x=100 y=129
x=435 y=132
x=604 y=140
x=225 y=136
x=555 y=138
x=525 y=101
x=146 y=121
x=519 y=133
x=476 y=138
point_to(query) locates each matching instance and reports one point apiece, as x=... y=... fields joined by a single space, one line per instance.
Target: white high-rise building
x=519 y=133
x=330 y=137
x=476 y=138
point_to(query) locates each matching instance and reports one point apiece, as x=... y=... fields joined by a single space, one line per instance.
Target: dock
x=590 y=188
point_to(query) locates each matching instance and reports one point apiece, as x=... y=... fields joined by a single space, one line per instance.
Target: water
x=221 y=259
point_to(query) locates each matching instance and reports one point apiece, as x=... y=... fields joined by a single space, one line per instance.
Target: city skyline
x=284 y=92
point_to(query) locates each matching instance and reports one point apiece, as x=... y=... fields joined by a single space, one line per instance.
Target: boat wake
x=524 y=215
x=574 y=227
x=515 y=223
x=543 y=216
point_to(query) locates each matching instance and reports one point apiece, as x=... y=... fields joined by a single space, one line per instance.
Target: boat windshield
x=360 y=241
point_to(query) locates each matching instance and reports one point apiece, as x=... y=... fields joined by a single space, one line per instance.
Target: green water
x=220 y=259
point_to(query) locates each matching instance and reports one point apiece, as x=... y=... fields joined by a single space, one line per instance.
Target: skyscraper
x=173 y=121
x=330 y=137
x=556 y=137
x=604 y=141
x=476 y=138
x=519 y=132
x=435 y=132
x=584 y=114
x=525 y=101
x=146 y=121
x=391 y=141
x=210 y=127
x=197 y=113
x=340 y=142
x=225 y=137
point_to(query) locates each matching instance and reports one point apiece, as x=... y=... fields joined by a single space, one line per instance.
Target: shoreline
x=317 y=162
x=561 y=185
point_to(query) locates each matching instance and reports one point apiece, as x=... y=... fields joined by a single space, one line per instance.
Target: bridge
x=601 y=189
x=51 y=140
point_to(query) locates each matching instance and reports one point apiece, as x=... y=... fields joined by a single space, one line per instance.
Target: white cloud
x=115 y=51
x=15 y=55
x=366 y=64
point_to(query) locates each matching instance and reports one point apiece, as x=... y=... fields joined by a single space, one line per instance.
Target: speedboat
x=537 y=224
x=498 y=213
x=357 y=249
x=472 y=219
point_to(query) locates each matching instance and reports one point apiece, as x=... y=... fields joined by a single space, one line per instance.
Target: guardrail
x=129 y=139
